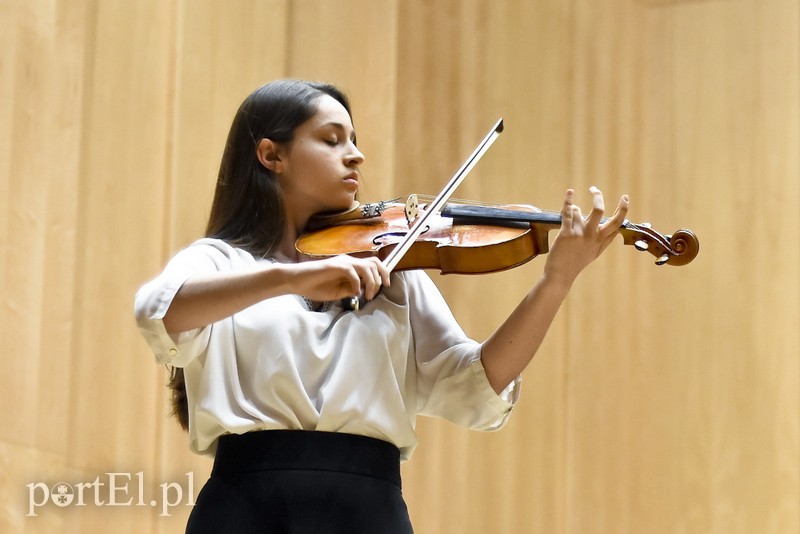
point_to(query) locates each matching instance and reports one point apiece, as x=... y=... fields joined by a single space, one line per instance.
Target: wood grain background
x=665 y=400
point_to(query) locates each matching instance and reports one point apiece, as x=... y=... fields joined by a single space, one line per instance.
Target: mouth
x=352 y=178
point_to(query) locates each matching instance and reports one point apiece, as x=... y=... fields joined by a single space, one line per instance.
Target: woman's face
x=319 y=167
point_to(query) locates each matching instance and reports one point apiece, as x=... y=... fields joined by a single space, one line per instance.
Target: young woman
x=309 y=409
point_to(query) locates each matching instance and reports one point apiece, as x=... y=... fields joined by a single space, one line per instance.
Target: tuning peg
x=641 y=244
x=663 y=259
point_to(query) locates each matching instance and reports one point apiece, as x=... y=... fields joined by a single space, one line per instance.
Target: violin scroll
x=677 y=249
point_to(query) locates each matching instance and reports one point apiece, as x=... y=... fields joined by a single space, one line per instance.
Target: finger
x=567 y=213
x=348 y=275
x=368 y=284
x=383 y=272
x=352 y=279
x=577 y=218
x=373 y=278
x=598 y=208
x=613 y=224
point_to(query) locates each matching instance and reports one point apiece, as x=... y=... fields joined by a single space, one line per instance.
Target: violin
x=466 y=238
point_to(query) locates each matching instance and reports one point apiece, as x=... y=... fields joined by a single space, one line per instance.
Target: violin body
x=448 y=245
x=467 y=239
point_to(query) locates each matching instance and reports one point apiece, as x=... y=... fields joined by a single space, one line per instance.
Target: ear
x=268 y=154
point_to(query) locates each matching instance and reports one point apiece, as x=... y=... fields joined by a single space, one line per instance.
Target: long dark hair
x=247 y=210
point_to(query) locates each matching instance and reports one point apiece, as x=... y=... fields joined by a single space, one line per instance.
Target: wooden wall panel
x=76 y=147
x=700 y=108
x=224 y=51
x=354 y=44
x=475 y=62
x=36 y=299
x=219 y=54
x=663 y=400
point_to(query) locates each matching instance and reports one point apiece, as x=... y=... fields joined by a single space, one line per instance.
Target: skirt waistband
x=308 y=450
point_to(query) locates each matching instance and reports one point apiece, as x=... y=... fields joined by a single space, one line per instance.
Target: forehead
x=329 y=110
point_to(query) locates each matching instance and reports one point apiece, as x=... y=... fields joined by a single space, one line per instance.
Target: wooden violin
x=466 y=238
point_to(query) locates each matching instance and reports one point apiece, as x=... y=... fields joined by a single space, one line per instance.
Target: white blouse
x=279 y=365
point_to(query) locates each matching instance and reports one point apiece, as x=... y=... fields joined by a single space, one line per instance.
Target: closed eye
x=339 y=133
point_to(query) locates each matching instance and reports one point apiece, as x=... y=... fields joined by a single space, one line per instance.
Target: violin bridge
x=411 y=209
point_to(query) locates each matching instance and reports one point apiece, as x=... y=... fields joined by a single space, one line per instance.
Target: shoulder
x=210 y=246
x=212 y=254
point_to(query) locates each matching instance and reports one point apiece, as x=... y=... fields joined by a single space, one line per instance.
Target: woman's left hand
x=580 y=241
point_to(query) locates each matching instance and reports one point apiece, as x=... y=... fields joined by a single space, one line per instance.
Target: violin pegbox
x=677 y=249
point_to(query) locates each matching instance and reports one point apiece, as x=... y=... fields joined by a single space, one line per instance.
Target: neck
x=294 y=226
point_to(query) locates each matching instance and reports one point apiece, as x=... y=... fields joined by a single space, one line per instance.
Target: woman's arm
x=205 y=299
x=579 y=242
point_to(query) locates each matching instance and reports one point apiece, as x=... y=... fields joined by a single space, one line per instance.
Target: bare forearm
x=206 y=299
x=509 y=349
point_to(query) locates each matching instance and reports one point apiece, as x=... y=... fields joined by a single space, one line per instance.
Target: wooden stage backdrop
x=665 y=400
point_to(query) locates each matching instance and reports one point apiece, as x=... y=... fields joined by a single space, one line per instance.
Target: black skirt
x=302 y=482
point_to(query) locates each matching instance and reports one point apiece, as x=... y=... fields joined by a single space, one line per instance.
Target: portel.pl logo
x=112 y=489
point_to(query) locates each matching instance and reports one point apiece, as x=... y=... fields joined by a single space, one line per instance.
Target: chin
x=347 y=202
x=339 y=207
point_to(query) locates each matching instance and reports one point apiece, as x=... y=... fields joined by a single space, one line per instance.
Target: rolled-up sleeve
x=451 y=381
x=154 y=298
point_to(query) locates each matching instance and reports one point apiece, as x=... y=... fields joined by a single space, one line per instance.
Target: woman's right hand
x=338 y=277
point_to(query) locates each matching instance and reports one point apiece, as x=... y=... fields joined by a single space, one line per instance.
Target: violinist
x=308 y=408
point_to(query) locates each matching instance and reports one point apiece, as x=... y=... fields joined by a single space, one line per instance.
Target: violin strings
x=482 y=203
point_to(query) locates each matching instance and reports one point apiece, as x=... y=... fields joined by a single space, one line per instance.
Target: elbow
x=498 y=377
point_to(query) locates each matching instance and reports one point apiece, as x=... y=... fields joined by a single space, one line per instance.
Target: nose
x=355 y=157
